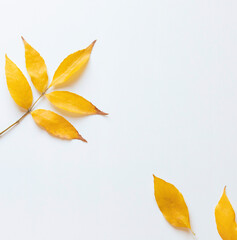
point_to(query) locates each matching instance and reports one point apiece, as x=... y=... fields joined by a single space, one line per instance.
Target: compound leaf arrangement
x=21 y=92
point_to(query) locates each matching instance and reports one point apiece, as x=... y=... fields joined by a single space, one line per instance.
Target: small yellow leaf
x=36 y=67
x=75 y=62
x=18 y=86
x=225 y=218
x=73 y=103
x=171 y=204
x=56 y=125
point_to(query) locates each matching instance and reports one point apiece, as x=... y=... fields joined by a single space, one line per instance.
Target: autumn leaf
x=75 y=62
x=56 y=125
x=18 y=86
x=225 y=218
x=36 y=67
x=171 y=203
x=73 y=103
x=21 y=92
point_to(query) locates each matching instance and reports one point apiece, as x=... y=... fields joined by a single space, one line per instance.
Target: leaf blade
x=18 y=85
x=171 y=203
x=72 y=103
x=73 y=63
x=36 y=67
x=225 y=218
x=56 y=125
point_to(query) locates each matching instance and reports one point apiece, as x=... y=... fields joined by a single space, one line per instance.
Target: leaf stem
x=15 y=123
x=31 y=108
x=25 y=114
x=193 y=234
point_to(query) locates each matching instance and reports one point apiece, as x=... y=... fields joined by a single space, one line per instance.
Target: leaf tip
x=92 y=45
x=98 y=111
x=7 y=59
x=79 y=137
x=224 y=191
x=24 y=41
x=82 y=139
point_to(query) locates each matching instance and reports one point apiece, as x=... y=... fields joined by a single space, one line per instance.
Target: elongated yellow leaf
x=36 y=67
x=225 y=218
x=171 y=204
x=75 y=62
x=56 y=125
x=73 y=103
x=18 y=86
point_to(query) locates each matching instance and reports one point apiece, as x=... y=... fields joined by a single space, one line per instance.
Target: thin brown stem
x=25 y=114
x=37 y=101
x=15 y=123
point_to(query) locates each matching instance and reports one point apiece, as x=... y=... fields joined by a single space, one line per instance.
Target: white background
x=166 y=73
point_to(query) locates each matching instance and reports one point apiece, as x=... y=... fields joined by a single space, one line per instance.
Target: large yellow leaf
x=56 y=125
x=75 y=62
x=73 y=103
x=36 y=67
x=225 y=219
x=18 y=86
x=171 y=204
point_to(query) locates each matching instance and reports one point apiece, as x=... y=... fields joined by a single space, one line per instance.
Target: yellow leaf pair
x=21 y=92
x=173 y=207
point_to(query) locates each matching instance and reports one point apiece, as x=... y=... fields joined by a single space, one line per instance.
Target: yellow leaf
x=73 y=103
x=36 y=67
x=56 y=125
x=225 y=219
x=171 y=204
x=75 y=62
x=18 y=86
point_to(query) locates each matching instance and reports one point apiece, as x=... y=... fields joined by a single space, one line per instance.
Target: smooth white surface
x=166 y=72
